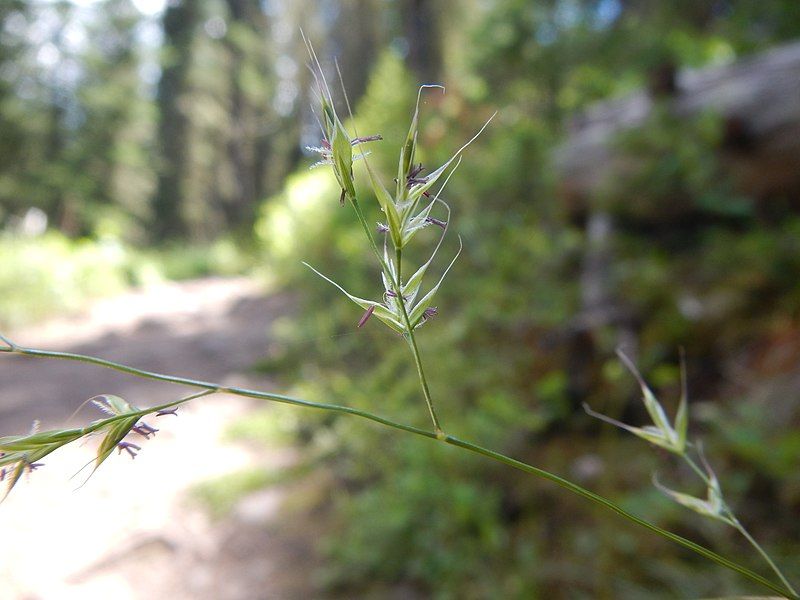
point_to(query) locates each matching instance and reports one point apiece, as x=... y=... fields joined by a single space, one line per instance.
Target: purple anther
x=325 y=144
x=144 y=430
x=382 y=228
x=131 y=449
x=366 y=316
x=430 y=312
x=368 y=138
x=415 y=171
x=437 y=222
x=391 y=293
x=168 y=411
x=33 y=466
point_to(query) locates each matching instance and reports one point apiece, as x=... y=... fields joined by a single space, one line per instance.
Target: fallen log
x=757 y=98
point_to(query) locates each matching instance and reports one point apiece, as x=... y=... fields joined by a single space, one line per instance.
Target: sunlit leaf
x=419 y=309
x=380 y=310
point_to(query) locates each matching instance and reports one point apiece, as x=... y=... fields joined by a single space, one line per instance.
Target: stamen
x=368 y=138
x=366 y=316
x=144 y=430
x=131 y=449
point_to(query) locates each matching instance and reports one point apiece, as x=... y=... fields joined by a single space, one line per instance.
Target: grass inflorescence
x=404 y=305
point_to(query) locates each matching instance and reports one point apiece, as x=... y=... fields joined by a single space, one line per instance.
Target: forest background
x=141 y=140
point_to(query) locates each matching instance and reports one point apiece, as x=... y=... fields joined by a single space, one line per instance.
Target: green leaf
x=682 y=416
x=22 y=443
x=411 y=225
x=387 y=205
x=343 y=159
x=118 y=405
x=416 y=223
x=416 y=313
x=409 y=147
x=117 y=430
x=23 y=451
x=380 y=310
x=341 y=148
x=712 y=507
x=14 y=477
x=329 y=117
x=648 y=433
x=416 y=191
x=412 y=286
x=651 y=403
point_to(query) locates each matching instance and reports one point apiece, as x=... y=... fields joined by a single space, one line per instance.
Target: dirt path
x=130 y=532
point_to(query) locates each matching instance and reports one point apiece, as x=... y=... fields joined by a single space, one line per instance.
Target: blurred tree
x=229 y=118
x=356 y=36
x=42 y=104
x=180 y=24
x=223 y=112
x=112 y=149
x=250 y=93
x=13 y=21
x=524 y=334
x=422 y=25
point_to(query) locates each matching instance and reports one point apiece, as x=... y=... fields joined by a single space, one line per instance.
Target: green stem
x=739 y=527
x=453 y=441
x=211 y=387
x=696 y=468
x=604 y=502
x=145 y=411
x=412 y=343
x=396 y=284
x=368 y=233
x=398 y=253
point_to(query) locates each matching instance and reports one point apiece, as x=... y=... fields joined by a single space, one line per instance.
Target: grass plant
x=405 y=305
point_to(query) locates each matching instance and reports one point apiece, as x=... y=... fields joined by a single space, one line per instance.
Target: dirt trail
x=130 y=532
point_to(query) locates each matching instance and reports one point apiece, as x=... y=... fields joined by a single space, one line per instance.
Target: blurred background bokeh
x=640 y=187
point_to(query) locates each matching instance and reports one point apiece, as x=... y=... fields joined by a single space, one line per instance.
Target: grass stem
x=738 y=525
x=209 y=388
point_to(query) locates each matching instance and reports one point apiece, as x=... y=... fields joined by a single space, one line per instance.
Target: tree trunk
x=179 y=22
x=421 y=24
x=758 y=100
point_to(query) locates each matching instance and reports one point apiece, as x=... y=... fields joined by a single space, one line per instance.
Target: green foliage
x=222 y=257
x=694 y=262
x=51 y=273
x=423 y=531
x=497 y=356
x=482 y=384
x=220 y=495
x=21 y=453
x=674 y=173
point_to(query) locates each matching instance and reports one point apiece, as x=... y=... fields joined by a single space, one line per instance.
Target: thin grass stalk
x=741 y=528
x=412 y=343
x=409 y=334
x=209 y=388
